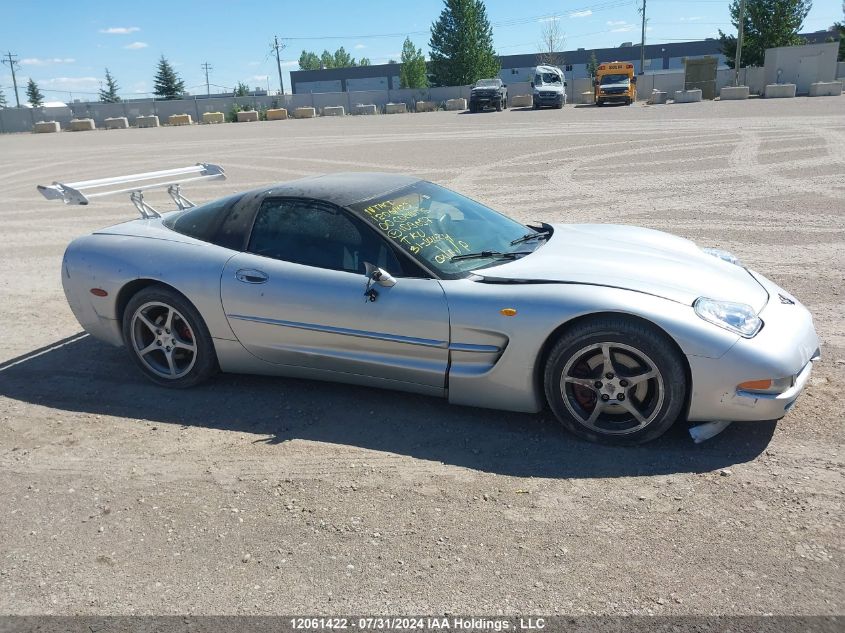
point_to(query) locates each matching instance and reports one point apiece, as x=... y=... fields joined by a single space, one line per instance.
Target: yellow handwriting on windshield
x=412 y=227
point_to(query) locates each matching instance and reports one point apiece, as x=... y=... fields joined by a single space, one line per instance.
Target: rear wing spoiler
x=85 y=190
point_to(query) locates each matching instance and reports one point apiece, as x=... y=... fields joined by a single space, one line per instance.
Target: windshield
x=488 y=83
x=547 y=78
x=614 y=79
x=434 y=224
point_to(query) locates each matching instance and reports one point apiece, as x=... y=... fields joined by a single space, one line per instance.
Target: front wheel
x=167 y=338
x=615 y=380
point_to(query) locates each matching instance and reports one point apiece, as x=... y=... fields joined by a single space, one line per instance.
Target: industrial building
x=519 y=68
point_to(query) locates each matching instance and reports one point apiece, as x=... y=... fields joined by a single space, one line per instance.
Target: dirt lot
x=257 y=495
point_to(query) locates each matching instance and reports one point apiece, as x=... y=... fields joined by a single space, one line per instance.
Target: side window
x=316 y=234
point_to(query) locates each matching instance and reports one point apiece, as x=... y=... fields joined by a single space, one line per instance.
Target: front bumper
x=786 y=347
x=487 y=101
x=548 y=101
x=617 y=98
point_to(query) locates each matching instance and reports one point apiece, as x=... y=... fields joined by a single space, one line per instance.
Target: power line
x=12 y=61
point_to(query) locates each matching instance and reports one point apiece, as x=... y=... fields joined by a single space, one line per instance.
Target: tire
x=498 y=106
x=177 y=357
x=644 y=395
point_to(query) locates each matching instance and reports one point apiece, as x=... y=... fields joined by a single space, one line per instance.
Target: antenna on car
x=80 y=192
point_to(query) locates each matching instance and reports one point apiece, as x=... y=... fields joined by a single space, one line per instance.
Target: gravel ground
x=274 y=496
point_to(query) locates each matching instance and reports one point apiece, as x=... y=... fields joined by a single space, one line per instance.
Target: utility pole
x=12 y=61
x=642 y=43
x=279 y=47
x=740 y=32
x=207 y=67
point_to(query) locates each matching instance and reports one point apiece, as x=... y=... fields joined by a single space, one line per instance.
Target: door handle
x=252 y=276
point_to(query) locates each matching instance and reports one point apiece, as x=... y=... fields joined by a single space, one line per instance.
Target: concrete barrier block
x=116 y=123
x=81 y=125
x=277 y=114
x=826 y=89
x=779 y=91
x=246 y=116
x=687 y=96
x=304 y=113
x=364 y=108
x=179 y=119
x=334 y=111
x=213 y=117
x=733 y=93
x=395 y=108
x=522 y=101
x=456 y=104
x=147 y=121
x=588 y=96
x=658 y=97
x=46 y=127
x=425 y=106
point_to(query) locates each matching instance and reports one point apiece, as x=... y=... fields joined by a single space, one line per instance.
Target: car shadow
x=84 y=375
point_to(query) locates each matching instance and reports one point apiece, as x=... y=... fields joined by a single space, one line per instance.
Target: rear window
x=202 y=222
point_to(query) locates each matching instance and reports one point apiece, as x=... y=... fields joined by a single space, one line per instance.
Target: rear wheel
x=615 y=380
x=167 y=338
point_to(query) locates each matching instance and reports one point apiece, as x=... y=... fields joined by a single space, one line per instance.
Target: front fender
x=509 y=380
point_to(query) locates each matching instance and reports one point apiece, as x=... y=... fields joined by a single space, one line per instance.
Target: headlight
x=723 y=255
x=536 y=93
x=734 y=317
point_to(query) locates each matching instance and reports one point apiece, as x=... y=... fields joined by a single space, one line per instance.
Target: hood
x=638 y=259
x=550 y=88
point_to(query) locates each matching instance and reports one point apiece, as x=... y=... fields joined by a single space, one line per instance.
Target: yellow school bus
x=615 y=83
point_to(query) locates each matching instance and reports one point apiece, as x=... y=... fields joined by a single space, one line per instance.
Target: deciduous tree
x=412 y=73
x=767 y=24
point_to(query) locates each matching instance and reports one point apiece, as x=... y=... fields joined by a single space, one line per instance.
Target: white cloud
x=581 y=14
x=551 y=18
x=134 y=46
x=615 y=22
x=120 y=30
x=69 y=84
x=259 y=77
x=289 y=64
x=623 y=29
x=360 y=46
x=253 y=64
x=692 y=19
x=38 y=61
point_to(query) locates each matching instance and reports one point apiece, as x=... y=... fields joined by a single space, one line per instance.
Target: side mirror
x=565 y=84
x=380 y=276
x=532 y=84
x=634 y=79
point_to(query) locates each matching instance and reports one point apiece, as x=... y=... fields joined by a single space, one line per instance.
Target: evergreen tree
x=364 y=61
x=33 y=94
x=412 y=73
x=592 y=65
x=767 y=24
x=109 y=93
x=462 y=44
x=167 y=83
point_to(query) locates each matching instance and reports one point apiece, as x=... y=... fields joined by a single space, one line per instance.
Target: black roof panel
x=342 y=188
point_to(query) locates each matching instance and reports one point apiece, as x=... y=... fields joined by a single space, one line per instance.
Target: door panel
x=304 y=316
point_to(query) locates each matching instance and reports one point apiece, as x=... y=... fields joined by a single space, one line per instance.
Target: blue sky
x=65 y=46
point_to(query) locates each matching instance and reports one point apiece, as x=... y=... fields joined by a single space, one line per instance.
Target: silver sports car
x=391 y=281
